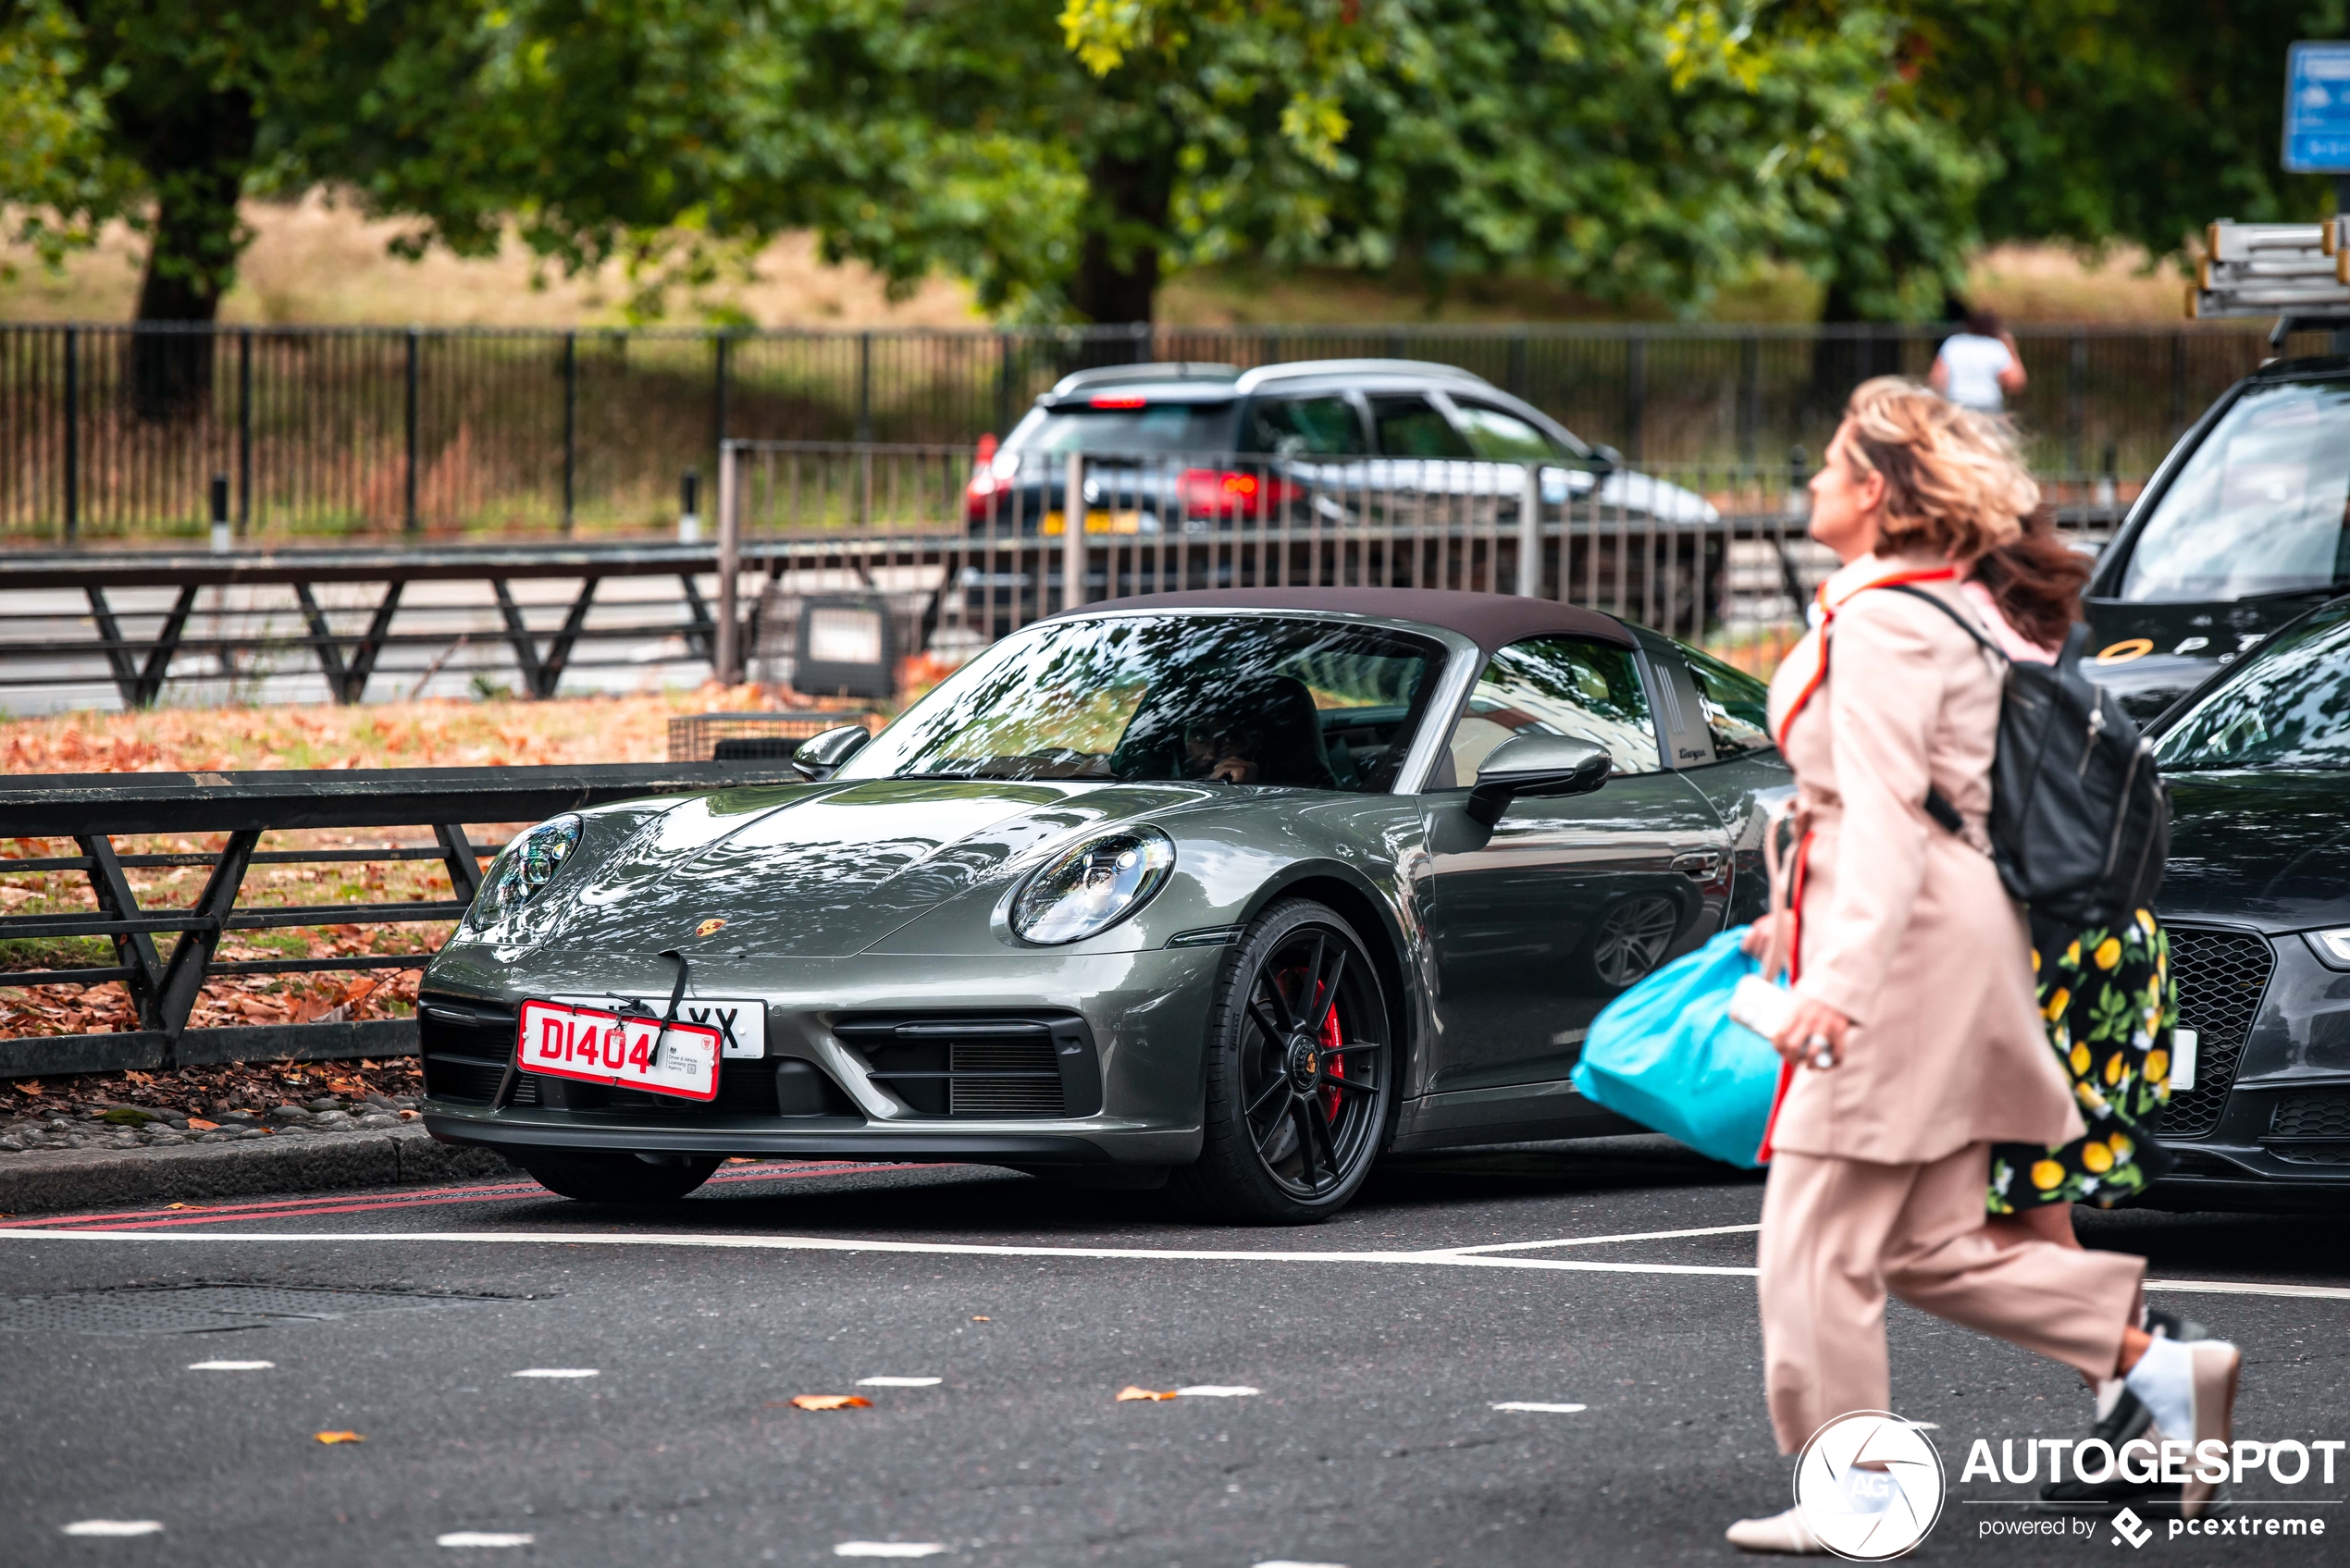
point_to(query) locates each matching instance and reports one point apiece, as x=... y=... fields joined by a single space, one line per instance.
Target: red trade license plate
x=601 y=1047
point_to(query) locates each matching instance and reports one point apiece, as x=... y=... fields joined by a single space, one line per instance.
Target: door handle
x=1699 y=865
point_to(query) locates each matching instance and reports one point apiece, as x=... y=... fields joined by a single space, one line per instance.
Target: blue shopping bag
x=1666 y=1054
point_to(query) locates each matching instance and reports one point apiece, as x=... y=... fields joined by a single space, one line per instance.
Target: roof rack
x=1165 y=370
x=1283 y=372
x=2299 y=271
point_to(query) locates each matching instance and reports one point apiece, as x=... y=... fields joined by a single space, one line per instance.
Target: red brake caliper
x=1332 y=1040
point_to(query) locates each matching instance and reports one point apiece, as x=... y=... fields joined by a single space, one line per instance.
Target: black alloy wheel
x=1633 y=939
x=1300 y=1073
x=614 y=1178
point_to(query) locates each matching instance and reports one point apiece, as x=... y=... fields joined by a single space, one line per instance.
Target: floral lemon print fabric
x=2110 y=1003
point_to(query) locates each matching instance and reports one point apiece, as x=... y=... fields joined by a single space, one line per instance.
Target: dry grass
x=315 y=260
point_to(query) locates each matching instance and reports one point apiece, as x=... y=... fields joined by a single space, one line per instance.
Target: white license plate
x=741 y=1021
x=601 y=1047
x=2183 y=1047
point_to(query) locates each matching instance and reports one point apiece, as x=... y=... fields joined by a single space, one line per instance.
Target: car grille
x=2310 y=1128
x=467 y=1045
x=2221 y=976
x=975 y=1065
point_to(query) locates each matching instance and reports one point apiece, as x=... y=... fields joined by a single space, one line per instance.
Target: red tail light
x=1231 y=493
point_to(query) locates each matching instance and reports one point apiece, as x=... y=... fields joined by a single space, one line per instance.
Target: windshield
x=1131 y=425
x=2287 y=706
x=2260 y=506
x=1225 y=699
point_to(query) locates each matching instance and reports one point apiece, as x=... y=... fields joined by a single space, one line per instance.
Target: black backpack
x=2080 y=819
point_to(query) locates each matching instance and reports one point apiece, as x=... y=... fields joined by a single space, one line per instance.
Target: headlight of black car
x=522 y=868
x=1094 y=886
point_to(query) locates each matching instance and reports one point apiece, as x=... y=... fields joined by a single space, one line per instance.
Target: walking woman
x=1918 y=1041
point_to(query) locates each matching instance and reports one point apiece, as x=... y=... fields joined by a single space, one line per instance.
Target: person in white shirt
x=1979 y=368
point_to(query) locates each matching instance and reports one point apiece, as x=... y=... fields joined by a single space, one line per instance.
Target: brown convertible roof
x=1491 y=620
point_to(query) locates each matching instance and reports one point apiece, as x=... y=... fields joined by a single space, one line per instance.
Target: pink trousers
x=1838 y=1234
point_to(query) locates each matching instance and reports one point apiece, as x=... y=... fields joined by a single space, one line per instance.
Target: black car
x=2242 y=527
x=1196 y=449
x=2257 y=904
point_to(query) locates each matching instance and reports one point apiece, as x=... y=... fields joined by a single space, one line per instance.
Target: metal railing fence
x=166 y=980
x=1701 y=551
x=965 y=552
x=117 y=432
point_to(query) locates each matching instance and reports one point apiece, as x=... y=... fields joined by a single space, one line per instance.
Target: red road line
x=355 y=1204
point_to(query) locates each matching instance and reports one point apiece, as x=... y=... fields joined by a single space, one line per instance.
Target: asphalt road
x=1379 y=1354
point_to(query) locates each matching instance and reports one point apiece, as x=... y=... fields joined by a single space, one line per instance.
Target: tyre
x=1301 y=1074
x=615 y=1179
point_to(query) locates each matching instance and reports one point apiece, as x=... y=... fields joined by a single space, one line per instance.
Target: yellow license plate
x=1097 y=522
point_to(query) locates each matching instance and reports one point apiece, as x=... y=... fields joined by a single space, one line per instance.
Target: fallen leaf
x=982 y=1320
x=831 y=1401
x=28 y=1085
x=203 y=1126
x=1132 y=1392
x=341 y=1438
x=709 y=927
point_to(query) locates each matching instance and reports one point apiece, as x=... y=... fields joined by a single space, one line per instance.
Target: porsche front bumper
x=879 y=1058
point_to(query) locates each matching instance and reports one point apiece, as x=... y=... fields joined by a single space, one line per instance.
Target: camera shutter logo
x=2128 y=1526
x=1868 y=1484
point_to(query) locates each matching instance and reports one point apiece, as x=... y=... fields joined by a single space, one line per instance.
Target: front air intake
x=980 y=1065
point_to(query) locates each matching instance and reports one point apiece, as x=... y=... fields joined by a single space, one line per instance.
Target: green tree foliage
x=2136 y=121
x=1066 y=155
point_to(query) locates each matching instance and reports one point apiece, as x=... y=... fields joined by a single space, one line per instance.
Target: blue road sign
x=2316 y=109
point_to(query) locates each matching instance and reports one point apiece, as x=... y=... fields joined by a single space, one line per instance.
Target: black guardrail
x=93 y=810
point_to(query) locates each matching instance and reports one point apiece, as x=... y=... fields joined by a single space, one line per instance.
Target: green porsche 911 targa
x=1238 y=890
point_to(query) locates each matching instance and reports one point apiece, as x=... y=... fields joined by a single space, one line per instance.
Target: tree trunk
x=1118 y=270
x=195 y=150
x=1841 y=363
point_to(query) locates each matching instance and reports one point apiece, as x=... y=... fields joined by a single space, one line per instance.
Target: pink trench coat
x=1906 y=929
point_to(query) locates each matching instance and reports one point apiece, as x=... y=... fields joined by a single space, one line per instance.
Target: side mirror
x=1610 y=459
x=1546 y=766
x=821 y=754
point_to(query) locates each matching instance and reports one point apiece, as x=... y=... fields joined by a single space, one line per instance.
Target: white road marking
x=1217 y=1391
x=485 y=1537
x=1283 y=1562
x=1592 y=1240
x=1438 y=1259
x=230 y=1365
x=899 y=1382
x=114 y=1527
x=847 y=1244
x=1542 y=1409
x=888 y=1548
x=557 y=1372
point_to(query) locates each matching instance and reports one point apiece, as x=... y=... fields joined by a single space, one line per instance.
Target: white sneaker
x=1780 y=1532
x=2191 y=1391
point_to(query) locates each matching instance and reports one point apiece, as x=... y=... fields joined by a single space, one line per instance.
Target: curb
x=74 y=1179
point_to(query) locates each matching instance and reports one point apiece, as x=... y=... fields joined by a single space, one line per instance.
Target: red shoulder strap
x=1827 y=618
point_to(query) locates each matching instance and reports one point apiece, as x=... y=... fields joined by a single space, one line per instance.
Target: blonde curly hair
x=1955 y=485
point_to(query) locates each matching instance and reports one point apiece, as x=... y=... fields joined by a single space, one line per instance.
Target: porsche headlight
x=1094 y=886
x=522 y=868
